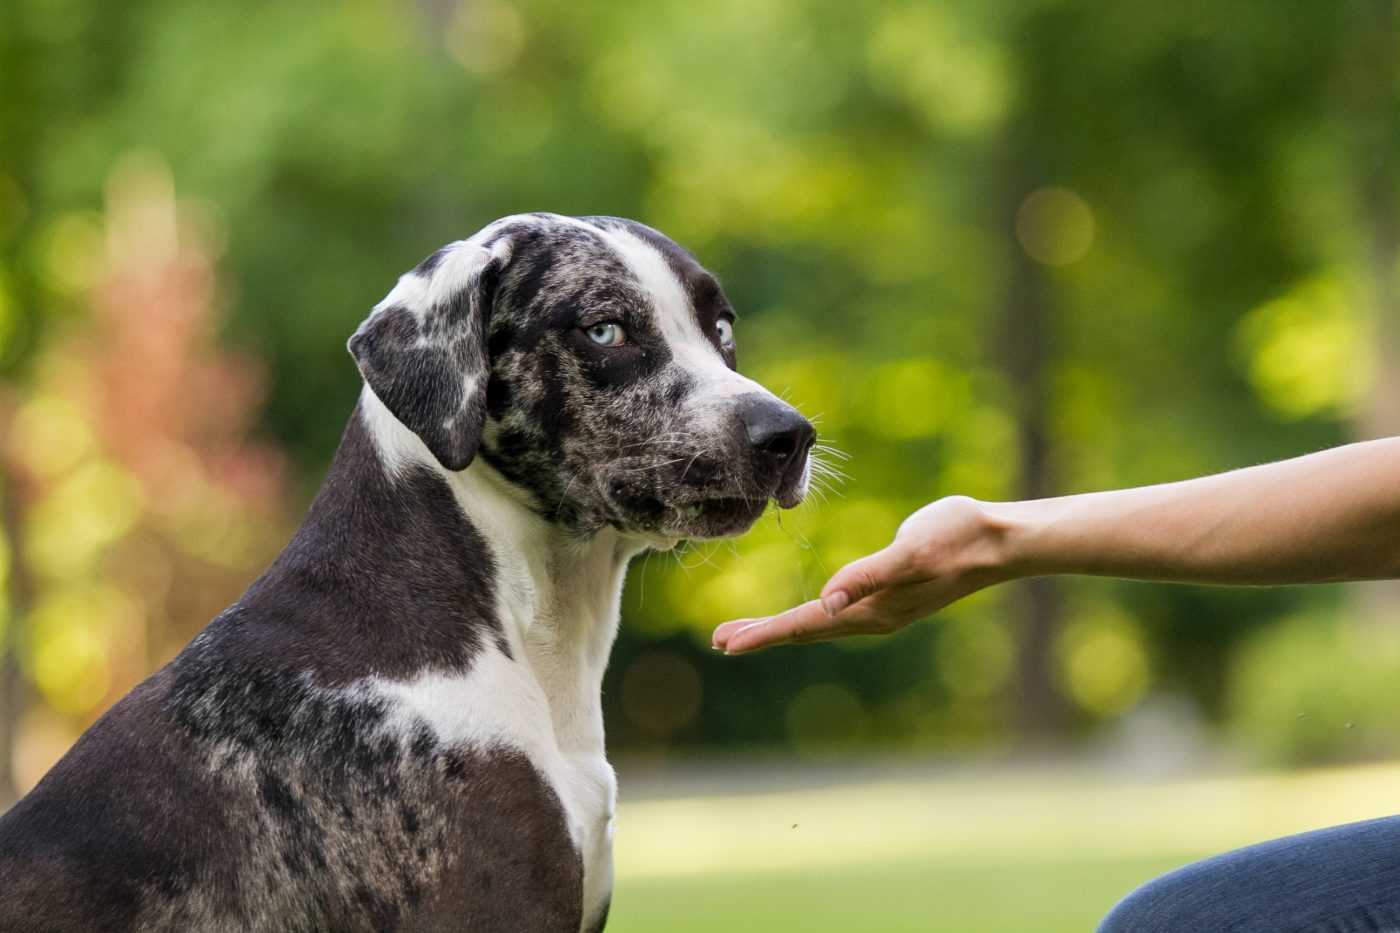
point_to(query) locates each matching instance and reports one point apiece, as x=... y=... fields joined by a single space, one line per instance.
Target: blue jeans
x=1346 y=878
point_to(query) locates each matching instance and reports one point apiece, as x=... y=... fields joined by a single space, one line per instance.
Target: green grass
x=1010 y=851
x=907 y=896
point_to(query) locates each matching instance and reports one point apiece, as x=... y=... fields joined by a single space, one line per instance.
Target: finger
x=724 y=631
x=859 y=579
x=804 y=620
x=861 y=619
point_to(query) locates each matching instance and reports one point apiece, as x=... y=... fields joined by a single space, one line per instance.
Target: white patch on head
x=675 y=318
x=458 y=264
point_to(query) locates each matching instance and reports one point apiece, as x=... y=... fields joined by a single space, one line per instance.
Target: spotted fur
x=397 y=727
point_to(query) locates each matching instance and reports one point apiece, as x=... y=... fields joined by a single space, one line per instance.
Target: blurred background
x=1002 y=249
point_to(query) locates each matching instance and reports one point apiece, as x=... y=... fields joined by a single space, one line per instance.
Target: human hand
x=941 y=553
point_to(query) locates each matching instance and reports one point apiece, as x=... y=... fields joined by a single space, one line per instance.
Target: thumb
x=857 y=580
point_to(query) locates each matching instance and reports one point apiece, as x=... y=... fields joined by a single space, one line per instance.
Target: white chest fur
x=557 y=600
x=498 y=702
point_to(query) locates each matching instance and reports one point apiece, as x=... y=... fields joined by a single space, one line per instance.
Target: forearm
x=1333 y=515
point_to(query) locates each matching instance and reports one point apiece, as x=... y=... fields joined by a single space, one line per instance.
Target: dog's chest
x=501 y=706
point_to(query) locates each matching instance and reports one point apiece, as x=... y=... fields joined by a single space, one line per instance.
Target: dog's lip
x=690 y=501
x=718 y=507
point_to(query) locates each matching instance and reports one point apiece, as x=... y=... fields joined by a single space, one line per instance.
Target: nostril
x=781 y=435
x=782 y=446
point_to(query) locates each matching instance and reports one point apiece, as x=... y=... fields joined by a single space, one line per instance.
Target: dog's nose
x=776 y=432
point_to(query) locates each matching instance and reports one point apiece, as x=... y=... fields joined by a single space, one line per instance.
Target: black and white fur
x=398 y=726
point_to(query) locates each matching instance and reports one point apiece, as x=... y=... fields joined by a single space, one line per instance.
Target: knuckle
x=864 y=580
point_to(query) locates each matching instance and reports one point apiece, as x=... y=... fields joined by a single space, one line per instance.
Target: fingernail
x=836 y=602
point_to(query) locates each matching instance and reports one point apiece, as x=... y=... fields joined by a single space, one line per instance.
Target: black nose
x=776 y=432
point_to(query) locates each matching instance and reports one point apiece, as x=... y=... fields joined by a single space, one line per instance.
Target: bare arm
x=1328 y=516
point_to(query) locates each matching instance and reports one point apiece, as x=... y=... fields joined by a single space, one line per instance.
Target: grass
x=1040 y=852
x=917 y=896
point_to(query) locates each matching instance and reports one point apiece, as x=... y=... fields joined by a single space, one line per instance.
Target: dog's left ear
x=423 y=349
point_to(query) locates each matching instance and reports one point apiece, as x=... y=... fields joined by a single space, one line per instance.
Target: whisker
x=658 y=439
x=818 y=468
x=642 y=579
x=689 y=465
x=564 y=495
x=829 y=450
x=705 y=558
x=650 y=466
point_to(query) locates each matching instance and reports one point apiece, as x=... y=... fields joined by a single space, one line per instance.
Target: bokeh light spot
x=67 y=656
x=1055 y=226
x=825 y=720
x=87 y=511
x=1309 y=351
x=1103 y=663
x=661 y=693
x=485 y=36
x=74 y=252
x=49 y=436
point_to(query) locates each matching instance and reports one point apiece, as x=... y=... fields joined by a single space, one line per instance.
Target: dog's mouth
x=720 y=517
x=690 y=516
x=642 y=499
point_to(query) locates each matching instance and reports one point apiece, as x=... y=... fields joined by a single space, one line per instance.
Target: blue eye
x=726 y=333
x=607 y=334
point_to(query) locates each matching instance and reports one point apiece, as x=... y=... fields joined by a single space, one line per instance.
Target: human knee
x=1133 y=914
x=1177 y=902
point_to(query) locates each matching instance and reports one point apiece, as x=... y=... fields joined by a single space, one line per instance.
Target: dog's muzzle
x=715 y=487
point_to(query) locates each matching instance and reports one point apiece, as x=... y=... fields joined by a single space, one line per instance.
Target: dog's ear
x=423 y=349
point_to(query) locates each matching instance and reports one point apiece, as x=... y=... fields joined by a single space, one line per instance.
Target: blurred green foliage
x=1198 y=199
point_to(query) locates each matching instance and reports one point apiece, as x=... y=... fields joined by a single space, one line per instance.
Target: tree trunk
x=1376 y=126
x=1025 y=356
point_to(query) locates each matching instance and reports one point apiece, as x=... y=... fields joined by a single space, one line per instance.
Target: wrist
x=1012 y=531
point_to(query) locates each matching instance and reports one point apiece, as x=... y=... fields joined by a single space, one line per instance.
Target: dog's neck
x=557 y=595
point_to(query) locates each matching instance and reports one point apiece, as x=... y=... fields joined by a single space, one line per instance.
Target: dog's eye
x=608 y=334
x=726 y=333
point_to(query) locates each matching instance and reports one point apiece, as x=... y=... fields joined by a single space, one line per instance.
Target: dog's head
x=590 y=362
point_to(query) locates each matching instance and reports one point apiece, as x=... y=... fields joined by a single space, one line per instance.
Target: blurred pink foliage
x=147 y=503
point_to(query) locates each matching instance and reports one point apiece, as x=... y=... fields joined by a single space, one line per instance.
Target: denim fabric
x=1341 y=880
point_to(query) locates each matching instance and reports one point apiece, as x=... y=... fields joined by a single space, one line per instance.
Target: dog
x=398 y=726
